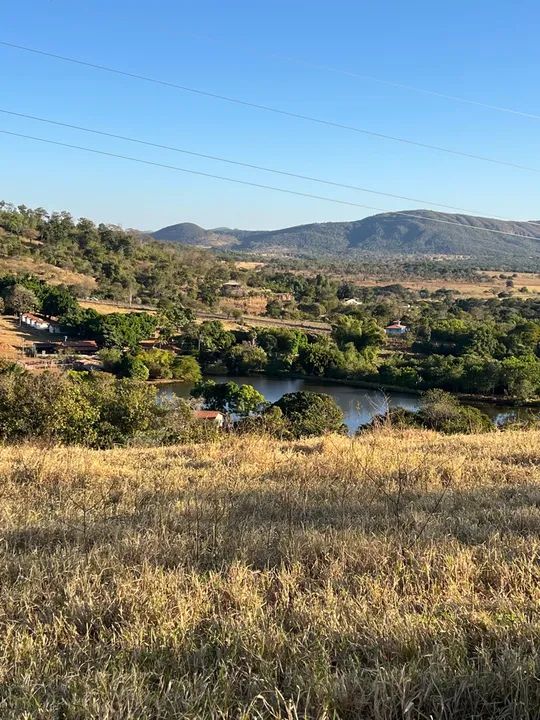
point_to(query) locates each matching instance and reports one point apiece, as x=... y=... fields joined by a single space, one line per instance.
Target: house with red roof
x=213 y=416
x=396 y=329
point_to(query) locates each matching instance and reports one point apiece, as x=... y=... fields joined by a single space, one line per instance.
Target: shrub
x=133 y=367
x=309 y=413
x=246 y=358
x=186 y=369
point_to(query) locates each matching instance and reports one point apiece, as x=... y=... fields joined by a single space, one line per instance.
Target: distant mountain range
x=414 y=232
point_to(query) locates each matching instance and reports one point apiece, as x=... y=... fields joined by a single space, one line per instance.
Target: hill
x=387 y=576
x=191 y=234
x=397 y=233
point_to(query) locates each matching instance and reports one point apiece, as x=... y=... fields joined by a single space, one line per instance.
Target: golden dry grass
x=44 y=271
x=14 y=337
x=390 y=576
x=106 y=308
x=484 y=290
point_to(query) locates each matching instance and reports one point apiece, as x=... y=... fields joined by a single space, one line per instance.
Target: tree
x=320 y=357
x=237 y=315
x=309 y=413
x=520 y=376
x=110 y=359
x=159 y=362
x=441 y=411
x=246 y=358
x=209 y=340
x=126 y=331
x=186 y=369
x=248 y=400
x=20 y=299
x=229 y=397
x=362 y=332
x=172 y=319
x=57 y=300
x=133 y=367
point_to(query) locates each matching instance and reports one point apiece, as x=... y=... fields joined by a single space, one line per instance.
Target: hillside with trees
x=415 y=232
x=125 y=265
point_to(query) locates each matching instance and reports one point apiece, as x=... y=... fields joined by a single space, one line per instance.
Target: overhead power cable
x=239 y=163
x=372 y=78
x=270 y=109
x=265 y=187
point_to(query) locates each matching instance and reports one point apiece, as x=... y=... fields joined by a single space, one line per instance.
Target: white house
x=396 y=329
x=35 y=322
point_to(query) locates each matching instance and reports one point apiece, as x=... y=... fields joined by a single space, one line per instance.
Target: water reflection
x=358 y=405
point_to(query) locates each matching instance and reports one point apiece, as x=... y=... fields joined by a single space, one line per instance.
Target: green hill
x=422 y=232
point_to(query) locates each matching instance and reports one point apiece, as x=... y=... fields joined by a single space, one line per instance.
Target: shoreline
x=367 y=385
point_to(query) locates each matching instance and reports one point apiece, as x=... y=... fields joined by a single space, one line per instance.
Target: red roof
x=395 y=326
x=207 y=414
x=80 y=344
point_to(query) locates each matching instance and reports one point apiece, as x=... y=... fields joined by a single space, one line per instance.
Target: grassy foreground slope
x=391 y=576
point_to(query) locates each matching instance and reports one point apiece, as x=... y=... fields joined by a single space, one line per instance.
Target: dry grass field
x=106 y=308
x=44 y=271
x=491 y=287
x=391 y=576
x=14 y=336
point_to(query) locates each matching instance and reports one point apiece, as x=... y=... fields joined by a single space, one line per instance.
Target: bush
x=246 y=358
x=110 y=359
x=186 y=369
x=159 y=362
x=438 y=411
x=88 y=409
x=309 y=413
x=133 y=367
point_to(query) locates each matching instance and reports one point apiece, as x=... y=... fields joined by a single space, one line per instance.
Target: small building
x=213 y=416
x=36 y=322
x=283 y=297
x=232 y=288
x=42 y=348
x=79 y=347
x=351 y=302
x=396 y=329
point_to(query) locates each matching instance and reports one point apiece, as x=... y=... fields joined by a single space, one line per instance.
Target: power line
x=264 y=187
x=372 y=78
x=270 y=109
x=256 y=167
x=242 y=164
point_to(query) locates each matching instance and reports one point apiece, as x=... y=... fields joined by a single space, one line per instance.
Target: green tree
x=159 y=362
x=246 y=358
x=229 y=397
x=126 y=331
x=309 y=413
x=57 y=300
x=520 y=376
x=362 y=332
x=186 y=369
x=208 y=341
x=321 y=357
x=133 y=367
x=441 y=411
x=20 y=299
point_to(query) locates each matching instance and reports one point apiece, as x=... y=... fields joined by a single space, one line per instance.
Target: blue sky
x=268 y=53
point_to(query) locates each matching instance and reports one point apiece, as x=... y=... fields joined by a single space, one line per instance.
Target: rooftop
x=207 y=414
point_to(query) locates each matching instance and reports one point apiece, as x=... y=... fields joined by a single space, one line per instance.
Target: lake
x=359 y=405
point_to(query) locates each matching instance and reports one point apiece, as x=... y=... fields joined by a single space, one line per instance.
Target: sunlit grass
x=395 y=575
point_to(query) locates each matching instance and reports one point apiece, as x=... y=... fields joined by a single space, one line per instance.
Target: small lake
x=359 y=405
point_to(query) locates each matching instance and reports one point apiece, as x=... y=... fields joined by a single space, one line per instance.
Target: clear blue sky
x=485 y=51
